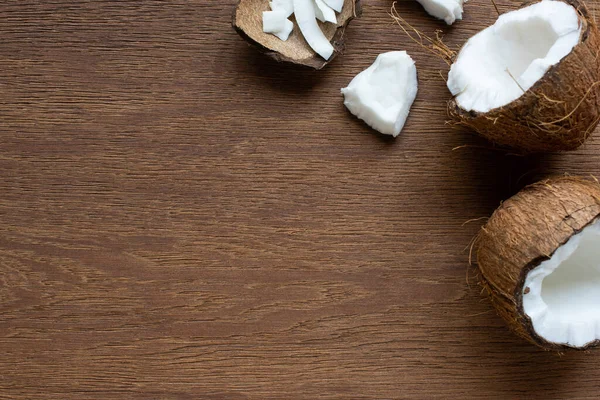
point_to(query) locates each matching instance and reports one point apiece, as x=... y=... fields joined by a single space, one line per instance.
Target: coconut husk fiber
x=559 y=112
x=525 y=231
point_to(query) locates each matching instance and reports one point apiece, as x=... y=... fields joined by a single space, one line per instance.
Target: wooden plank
x=183 y=219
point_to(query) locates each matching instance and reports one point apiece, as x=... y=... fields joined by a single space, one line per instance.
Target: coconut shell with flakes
x=247 y=21
x=537 y=84
x=538 y=258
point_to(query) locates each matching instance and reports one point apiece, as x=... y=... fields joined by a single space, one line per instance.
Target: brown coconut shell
x=247 y=21
x=559 y=112
x=525 y=231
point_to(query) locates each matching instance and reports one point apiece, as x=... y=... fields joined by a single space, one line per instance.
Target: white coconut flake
x=276 y=22
x=324 y=13
x=304 y=10
x=562 y=295
x=285 y=5
x=500 y=63
x=382 y=94
x=337 y=5
x=448 y=10
x=306 y=13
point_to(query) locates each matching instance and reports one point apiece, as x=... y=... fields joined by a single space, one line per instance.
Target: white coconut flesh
x=562 y=295
x=324 y=13
x=500 y=63
x=306 y=12
x=337 y=5
x=283 y=5
x=448 y=10
x=382 y=94
x=276 y=22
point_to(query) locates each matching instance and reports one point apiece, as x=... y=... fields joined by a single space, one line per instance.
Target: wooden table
x=182 y=218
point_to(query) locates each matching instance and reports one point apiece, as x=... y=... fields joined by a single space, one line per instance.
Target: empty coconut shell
x=526 y=231
x=559 y=112
x=247 y=21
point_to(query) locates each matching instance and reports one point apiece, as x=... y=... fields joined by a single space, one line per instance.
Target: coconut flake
x=285 y=5
x=382 y=94
x=304 y=10
x=448 y=10
x=306 y=13
x=324 y=13
x=562 y=295
x=337 y=5
x=500 y=63
x=276 y=22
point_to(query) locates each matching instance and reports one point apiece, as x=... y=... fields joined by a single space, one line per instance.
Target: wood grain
x=185 y=219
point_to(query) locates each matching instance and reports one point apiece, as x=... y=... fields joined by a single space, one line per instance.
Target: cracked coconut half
x=539 y=259
x=531 y=81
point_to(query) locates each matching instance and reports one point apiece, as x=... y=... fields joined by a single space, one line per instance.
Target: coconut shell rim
x=315 y=62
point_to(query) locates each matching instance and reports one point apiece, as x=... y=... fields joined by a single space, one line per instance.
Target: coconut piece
x=324 y=13
x=531 y=80
x=382 y=94
x=539 y=261
x=285 y=5
x=447 y=10
x=276 y=22
x=304 y=11
x=336 y=5
x=509 y=57
x=247 y=22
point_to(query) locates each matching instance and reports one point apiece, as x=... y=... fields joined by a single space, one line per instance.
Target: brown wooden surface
x=181 y=218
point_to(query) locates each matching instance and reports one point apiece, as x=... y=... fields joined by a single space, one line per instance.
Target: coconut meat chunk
x=562 y=295
x=276 y=22
x=500 y=63
x=448 y=10
x=382 y=94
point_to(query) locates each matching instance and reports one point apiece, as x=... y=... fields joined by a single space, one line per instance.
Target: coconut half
x=539 y=259
x=531 y=81
x=328 y=37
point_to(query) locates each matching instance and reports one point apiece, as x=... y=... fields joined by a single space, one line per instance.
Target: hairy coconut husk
x=525 y=231
x=247 y=21
x=559 y=112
